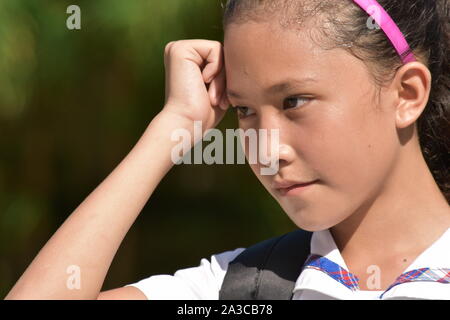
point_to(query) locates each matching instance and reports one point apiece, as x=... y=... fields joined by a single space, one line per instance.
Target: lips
x=285 y=186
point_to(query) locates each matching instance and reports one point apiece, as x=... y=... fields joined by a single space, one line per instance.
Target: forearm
x=91 y=235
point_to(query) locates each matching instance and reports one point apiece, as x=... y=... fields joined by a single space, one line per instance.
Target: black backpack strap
x=267 y=270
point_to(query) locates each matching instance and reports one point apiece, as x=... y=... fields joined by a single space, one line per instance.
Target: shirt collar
x=325 y=272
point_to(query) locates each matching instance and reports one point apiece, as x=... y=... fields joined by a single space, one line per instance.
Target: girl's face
x=332 y=127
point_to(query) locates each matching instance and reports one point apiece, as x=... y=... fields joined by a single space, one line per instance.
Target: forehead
x=262 y=50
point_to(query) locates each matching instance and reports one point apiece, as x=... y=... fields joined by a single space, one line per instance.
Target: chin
x=311 y=220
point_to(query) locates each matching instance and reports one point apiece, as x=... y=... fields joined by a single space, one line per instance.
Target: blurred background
x=72 y=105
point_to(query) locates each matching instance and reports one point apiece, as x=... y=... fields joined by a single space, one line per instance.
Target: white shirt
x=204 y=281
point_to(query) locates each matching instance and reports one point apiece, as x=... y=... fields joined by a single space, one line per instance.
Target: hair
x=426 y=27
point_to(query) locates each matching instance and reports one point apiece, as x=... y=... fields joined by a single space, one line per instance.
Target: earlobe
x=413 y=82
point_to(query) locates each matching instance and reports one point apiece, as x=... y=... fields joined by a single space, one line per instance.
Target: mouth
x=295 y=188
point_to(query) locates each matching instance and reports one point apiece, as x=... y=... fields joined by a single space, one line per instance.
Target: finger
x=201 y=52
x=214 y=97
x=211 y=70
x=213 y=59
x=224 y=102
x=221 y=89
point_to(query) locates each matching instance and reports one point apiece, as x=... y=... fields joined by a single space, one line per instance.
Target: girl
x=363 y=150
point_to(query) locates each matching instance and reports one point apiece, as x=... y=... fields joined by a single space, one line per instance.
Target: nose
x=286 y=154
x=274 y=146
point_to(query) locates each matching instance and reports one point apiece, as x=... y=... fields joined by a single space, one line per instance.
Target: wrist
x=174 y=120
x=167 y=134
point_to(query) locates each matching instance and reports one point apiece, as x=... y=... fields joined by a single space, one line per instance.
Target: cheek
x=352 y=161
x=353 y=152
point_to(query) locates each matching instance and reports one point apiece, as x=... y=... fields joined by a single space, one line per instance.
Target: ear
x=413 y=84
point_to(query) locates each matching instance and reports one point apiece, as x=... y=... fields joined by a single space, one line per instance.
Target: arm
x=124 y=293
x=91 y=235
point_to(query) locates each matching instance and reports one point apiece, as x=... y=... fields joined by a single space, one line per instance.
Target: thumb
x=214 y=63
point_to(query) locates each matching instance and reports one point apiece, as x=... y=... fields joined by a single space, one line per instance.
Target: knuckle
x=217 y=43
x=168 y=47
x=175 y=47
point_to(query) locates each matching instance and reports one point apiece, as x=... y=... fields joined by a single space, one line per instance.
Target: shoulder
x=201 y=282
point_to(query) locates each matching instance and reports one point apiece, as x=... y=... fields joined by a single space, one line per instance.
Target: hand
x=195 y=81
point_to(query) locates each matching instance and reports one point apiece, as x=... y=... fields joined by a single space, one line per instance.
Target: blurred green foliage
x=72 y=105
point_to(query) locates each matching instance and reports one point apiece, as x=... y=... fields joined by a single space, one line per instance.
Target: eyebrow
x=284 y=85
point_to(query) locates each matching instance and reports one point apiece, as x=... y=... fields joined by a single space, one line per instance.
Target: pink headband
x=389 y=27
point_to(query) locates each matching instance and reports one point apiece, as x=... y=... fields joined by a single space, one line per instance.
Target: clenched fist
x=195 y=81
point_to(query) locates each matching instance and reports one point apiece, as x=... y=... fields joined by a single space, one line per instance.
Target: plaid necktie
x=351 y=281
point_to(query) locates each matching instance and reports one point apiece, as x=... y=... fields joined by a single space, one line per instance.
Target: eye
x=242 y=111
x=294 y=102
x=288 y=103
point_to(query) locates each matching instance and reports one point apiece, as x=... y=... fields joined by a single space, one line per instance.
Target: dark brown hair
x=426 y=26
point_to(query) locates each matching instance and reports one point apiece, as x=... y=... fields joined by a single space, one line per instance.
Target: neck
x=407 y=215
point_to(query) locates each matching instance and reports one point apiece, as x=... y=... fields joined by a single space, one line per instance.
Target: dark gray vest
x=267 y=270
